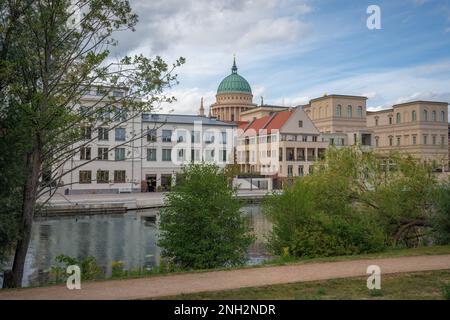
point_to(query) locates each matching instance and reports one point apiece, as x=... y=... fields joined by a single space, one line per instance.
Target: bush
x=446 y=291
x=440 y=221
x=309 y=231
x=201 y=225
x=90 y=270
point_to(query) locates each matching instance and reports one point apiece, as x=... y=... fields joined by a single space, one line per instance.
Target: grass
x=430 y=285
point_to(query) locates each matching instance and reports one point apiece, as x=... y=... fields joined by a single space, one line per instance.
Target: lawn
x=418 y=285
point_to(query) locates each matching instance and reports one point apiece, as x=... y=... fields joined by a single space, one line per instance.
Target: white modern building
x=123 y=151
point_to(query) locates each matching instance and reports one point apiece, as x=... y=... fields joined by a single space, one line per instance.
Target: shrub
x=201 y=225
x=440 y=221
x=90 y=270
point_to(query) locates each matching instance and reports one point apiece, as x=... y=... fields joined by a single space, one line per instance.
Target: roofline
x=390 y=109
x=337 y=96
x=265 y=107
x=219 y=122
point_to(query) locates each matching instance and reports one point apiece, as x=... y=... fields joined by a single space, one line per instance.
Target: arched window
x=360 y=112
x=349 y=111
x=338 y=110
x=443 y=116
x=425 y=115
x=433 y=115
x=399 y=119
x=414 y=115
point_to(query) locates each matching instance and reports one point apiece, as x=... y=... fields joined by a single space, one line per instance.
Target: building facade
x=282 y=145
x=419 y=128
x=134 y=152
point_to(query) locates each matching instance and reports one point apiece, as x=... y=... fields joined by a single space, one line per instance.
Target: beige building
x=418 y=127
x=283 y=144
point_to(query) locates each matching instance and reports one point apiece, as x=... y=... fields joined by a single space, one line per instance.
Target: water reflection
x=130 y=238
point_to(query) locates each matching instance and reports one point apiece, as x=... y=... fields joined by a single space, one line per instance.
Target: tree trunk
x=28 y=208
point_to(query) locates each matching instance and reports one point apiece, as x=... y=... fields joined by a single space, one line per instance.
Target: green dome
x=234 y=83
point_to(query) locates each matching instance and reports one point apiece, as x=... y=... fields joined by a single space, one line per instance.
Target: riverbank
x=186 y=283
x=88 y=204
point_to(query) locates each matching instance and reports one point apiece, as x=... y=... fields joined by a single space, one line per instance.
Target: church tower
x=234 y=95
x=201 y=111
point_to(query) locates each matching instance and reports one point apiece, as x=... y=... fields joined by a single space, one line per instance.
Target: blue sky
x=292 y=51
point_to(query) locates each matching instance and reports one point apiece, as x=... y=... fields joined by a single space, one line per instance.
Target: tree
x=441 y=213
x=355 y=201
x=202 y=225
x=52 y=52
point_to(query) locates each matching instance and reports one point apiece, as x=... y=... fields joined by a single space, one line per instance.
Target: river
x=130 y=238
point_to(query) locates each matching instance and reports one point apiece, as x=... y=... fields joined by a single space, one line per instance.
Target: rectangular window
x=119 y=154
x=151 y=135
x=120 y=134
x=414 y=139
x=289 y=168
x=181 y=136
x=167 y=135
x=85 y=176
x=209 y=137
x=195 y=155
x=314 y=138
x=224 y=155
x=442 y=140
x=166 y=154
x=224 y=138
x=305 y=138
x=120 y=114
x=151 y=154
x=86 y=133
x=102 y=176
x=180 y=155
x=102 y=154
x=398 y=141
x=433 y=139
x=85 y=153
x=425 y=139
x=119 y=176
x=300 y=171
x=195 y=137
x=103 y=134
x=300 y=124
x=117 y=93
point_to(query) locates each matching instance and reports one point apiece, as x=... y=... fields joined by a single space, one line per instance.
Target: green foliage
x=201 y=224
x=308 y=230
x=446 y=291
x=376 y=293
x=90 y=270
x=441 y=217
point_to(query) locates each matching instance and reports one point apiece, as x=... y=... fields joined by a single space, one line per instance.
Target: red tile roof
x=279 y=120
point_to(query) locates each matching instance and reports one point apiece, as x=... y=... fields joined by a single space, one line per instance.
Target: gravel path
x=159 y=286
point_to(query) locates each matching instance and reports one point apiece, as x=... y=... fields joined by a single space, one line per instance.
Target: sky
x=292 y=51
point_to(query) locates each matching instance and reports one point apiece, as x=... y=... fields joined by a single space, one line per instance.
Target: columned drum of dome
x=234 y=95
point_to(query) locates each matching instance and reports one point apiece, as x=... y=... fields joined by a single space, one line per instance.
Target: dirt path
x=159 y=286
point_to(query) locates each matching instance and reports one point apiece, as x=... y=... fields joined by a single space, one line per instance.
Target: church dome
x=234 y=83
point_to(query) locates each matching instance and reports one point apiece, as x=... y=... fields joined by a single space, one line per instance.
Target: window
x=102 y=154
x=209 y=137
x=120 y=114
x=360 y=112
x=390 y=141
x=224 y=138
x=195 y=155
x=376 y=121
x=425 y=139
x=300 y=124
x=442 y=140
x=314 y=138
x=86 y=133
x=338 y=110
x=414 y=139
x=398 y=141
x=103 y=134
x=167 y=135
x=443 y=116
x=85 y=153
x=377 y=141
x=103 y=115
x=180 y=155
x=166 y=154
x=223 y=155
x=120 y=134
x=85 y=176
x=101 y=92
x=425 y=115
x=151 y=135
x=181 y=136
x=119 y=176
x=300 y=171
x=390 y=119
x=195 y=137
x=433 y=139
x=151 y=154
x=280 y=154
x=349 y=111
x=290 y=169
x=414 y=115
x=398 y=117
x=433 y=115
x=119 y=154
x=304 y=138
x=117 y=93
x=102 y=176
